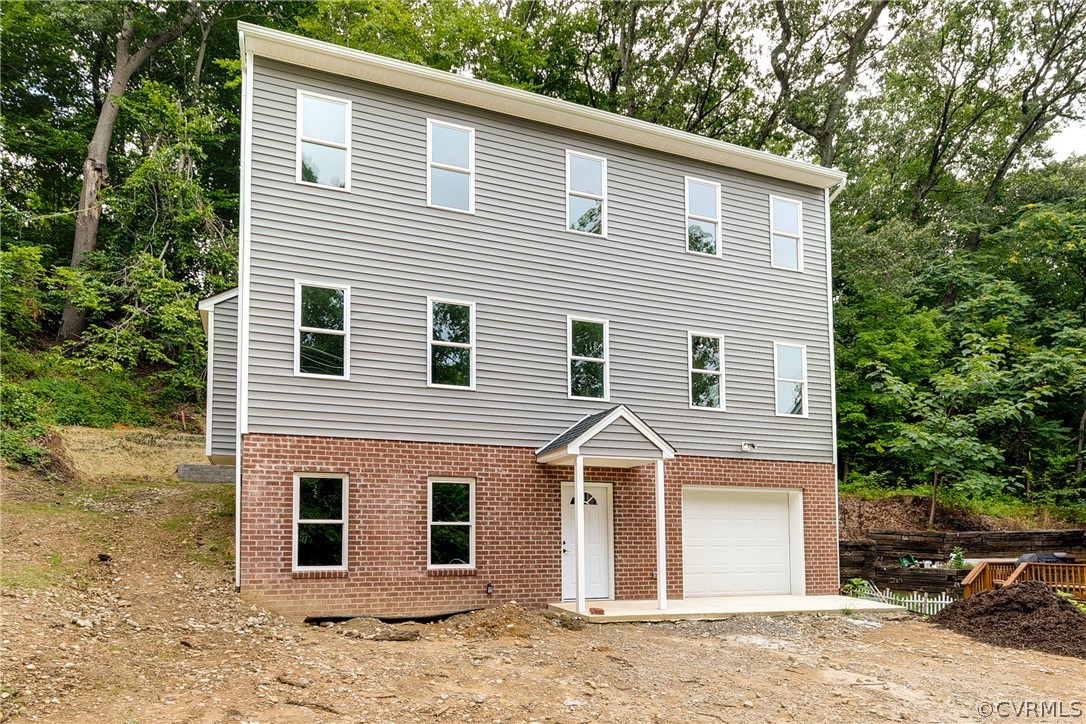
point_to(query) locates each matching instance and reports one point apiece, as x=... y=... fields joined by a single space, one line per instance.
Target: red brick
x=518 y=533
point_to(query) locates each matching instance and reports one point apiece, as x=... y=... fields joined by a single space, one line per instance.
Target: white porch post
x=661 y=542
x=578 y=525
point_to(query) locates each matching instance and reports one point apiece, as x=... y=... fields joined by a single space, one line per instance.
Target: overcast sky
x=1070 y=140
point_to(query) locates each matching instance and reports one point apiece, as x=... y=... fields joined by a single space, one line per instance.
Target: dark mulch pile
x=1026 y=615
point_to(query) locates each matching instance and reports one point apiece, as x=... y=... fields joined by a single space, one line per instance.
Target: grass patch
x=136 y=455
x=48 y=509
x=223 y=498
x=43 y=576
x=1025 y=513
x=1014 y=512
x=182 y=521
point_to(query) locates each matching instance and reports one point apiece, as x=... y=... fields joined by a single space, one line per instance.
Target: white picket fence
x=921 y=603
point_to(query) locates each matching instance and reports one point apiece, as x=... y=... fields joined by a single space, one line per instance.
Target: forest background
x=959 y=242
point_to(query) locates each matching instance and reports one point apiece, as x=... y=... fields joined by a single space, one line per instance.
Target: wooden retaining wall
x=876 y=559
x=938 y=545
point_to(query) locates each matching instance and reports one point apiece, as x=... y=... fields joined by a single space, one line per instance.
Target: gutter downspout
x=836 y=191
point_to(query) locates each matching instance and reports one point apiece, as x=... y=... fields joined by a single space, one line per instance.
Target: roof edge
x=341 y=60
x=209 y=303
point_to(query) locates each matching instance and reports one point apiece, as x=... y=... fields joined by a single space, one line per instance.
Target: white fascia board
x=209 y=303
x=343 y=61
x=206 y=306
x=574 y=447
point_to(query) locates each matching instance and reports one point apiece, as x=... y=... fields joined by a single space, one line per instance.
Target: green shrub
x=100 y=400
x=19 y=406
x=21 y=278
x=18 y=446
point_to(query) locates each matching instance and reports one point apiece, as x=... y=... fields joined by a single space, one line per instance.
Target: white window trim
x=431 y=165
x=777 y=378
x=345 y=333
x=691 y=371
x=606 y=357
x=580 y=194
x=798 y=237
x=299 y=138
x=296 y=521
x=470 y=482
x=430 y=342
x=686 y=221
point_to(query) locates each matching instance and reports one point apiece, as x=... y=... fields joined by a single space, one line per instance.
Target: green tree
x=942 y=432
x=156 y=26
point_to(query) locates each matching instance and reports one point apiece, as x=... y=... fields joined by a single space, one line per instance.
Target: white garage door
x=735 y=542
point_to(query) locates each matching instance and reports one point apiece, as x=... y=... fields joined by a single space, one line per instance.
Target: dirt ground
x=117 y=606
x=906 y=512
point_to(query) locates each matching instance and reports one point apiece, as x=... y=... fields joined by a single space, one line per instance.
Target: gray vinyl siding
x=621 y=439
x=525 y=273
x=223 y=387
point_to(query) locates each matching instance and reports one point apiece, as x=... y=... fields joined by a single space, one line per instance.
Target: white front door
x=597 y=544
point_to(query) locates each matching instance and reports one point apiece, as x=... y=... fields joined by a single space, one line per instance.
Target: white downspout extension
x=836 y=191
x=661 y=541
x=578 y=525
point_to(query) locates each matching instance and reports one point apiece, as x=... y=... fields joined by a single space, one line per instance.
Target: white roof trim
x=340 y=60
x=573 y=447
x=206 y=306
x=624 y=412
x=209 y=303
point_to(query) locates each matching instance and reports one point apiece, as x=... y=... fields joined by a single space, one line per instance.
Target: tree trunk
x=934 y=487
x=95 y=169
x=1081 y=437
x=95 y=173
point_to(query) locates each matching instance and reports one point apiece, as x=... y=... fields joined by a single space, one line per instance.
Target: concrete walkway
x=723 y=607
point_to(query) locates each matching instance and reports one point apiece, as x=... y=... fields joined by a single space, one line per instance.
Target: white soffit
x=340 y=60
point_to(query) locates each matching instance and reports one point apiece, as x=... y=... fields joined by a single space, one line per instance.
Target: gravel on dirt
x=1027 y=615
x=117 y=605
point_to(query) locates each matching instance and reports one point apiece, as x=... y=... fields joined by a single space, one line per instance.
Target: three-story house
x=489 y=345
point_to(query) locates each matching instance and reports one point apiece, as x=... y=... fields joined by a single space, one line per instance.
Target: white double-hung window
x=702 y=217
x=451 y=360
x=706 y=371
x=324 y=141
x=320 y=522
x=586 y=193
x=451 y=524
x=450 y=180
x=322 y=330
x=786 y=233
x=588 y=373
x=790 y=373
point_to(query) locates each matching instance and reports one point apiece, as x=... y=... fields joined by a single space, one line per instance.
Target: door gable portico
x=614 y=438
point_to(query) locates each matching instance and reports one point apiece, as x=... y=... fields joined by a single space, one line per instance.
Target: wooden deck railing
x=1068 y=578
x=988 y=575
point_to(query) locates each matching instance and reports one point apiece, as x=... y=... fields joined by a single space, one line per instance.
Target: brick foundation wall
x=518 y=524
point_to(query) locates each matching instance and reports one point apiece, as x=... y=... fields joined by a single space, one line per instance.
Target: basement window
x=320 y=522
x=451 y=523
